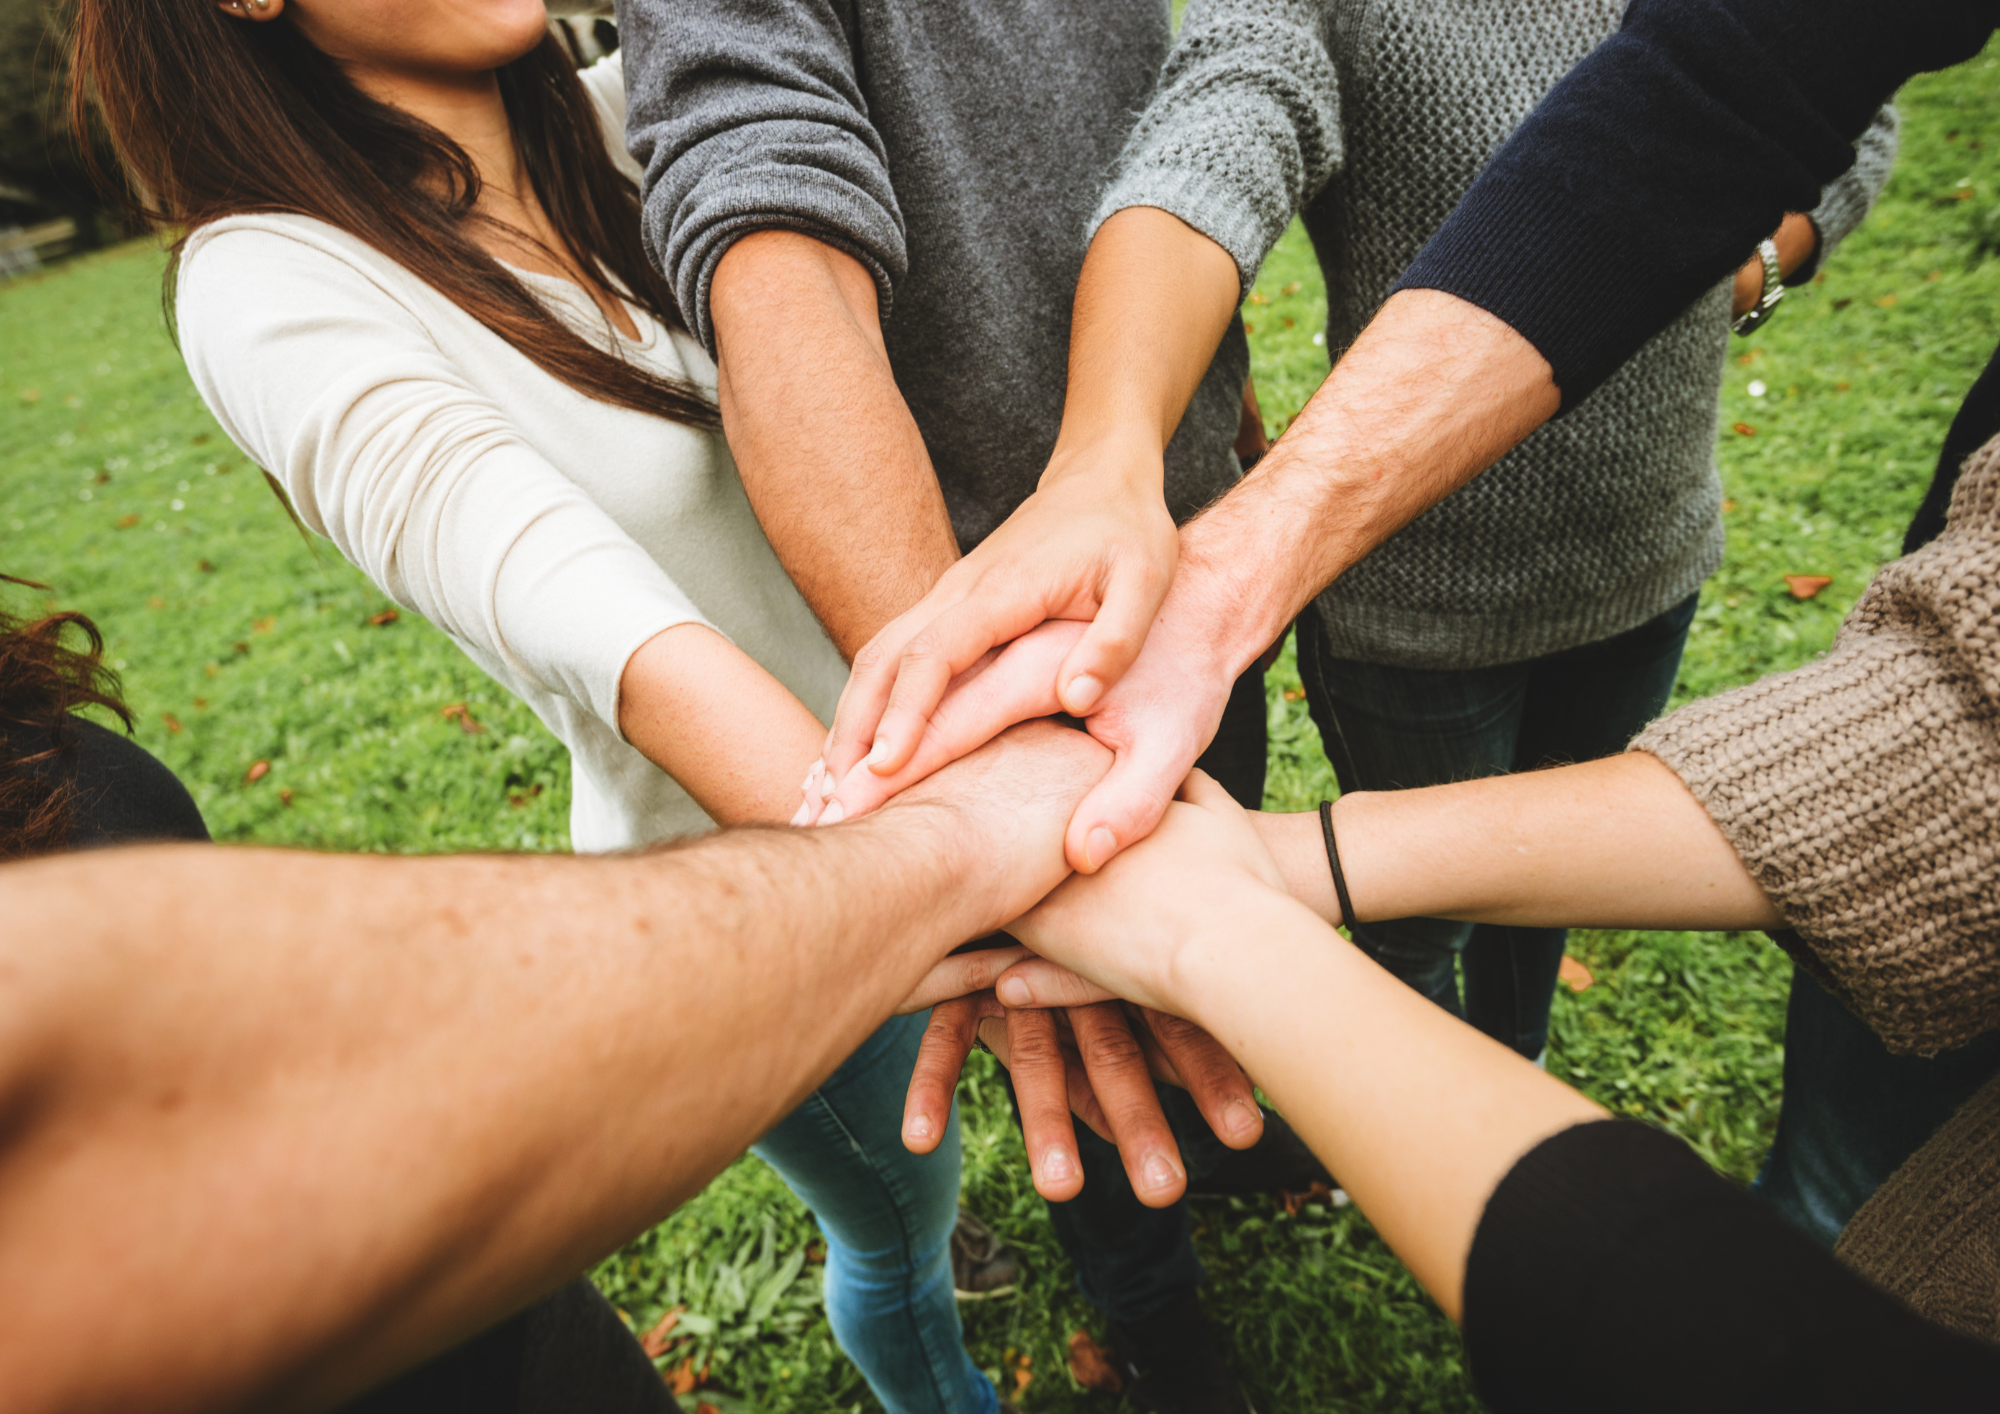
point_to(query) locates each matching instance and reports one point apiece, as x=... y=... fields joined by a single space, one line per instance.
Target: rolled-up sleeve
x=1245 y=128
x=748 y=115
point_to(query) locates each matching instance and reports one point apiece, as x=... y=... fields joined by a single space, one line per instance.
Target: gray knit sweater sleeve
x=747 y=115
x=1245 y=127
x=1848 y=197
x=1863 y=790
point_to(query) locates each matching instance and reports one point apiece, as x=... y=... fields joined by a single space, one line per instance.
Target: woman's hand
x=1190 y=883
x=1008 y=685
x=1093 y=545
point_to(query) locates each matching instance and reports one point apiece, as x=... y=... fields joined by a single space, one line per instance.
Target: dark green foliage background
x=223 y=619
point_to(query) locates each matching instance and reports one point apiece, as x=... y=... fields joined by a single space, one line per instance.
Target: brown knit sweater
x=1931 y=1234
x=1863 y=790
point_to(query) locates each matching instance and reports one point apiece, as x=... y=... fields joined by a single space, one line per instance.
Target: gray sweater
x=957 y=149
x=1373 y=117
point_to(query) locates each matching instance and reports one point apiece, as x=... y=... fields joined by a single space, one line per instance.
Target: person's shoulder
x=263 y=246
x=243 y=270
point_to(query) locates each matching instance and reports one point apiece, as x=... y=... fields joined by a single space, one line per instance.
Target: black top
x=1614 y=1270
x=123 y=794
x=1651 y=172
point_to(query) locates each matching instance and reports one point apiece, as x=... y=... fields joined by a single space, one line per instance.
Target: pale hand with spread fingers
x=1093 y=545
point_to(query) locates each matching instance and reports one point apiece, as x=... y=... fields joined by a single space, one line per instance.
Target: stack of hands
x=1079 y=1002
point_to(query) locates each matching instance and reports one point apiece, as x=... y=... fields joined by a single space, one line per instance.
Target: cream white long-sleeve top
x=550 y=534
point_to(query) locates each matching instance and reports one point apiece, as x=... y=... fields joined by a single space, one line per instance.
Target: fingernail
x=832 y=815
x=1084 y=690
x=919 y=1127
x=1056 y=1166
x=1013 y=992
x=879 y=752
x=804 y=817
x=1098 y=847
x=1158 y=1172
x=1244 y=1118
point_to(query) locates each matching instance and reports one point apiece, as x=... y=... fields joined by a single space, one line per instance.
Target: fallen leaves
x=1318 y=1193
x=204 y=566
x=655 y=1341
x=1807 y=586
x=1090 y=1367
x=173 y=722
x=1886 y=302
x=684 y=1378
x=258 y=770
x=126 y=522
x=264 y=625
x=1743 y=429
x=156 y=602
x=519 y=798
x=1023 y=1376
x=383 y=619
x=1294 y=694
x=462 y=714
x=285 y=796
x=1292 y=287
x=1574 y=974
x=1259 y=297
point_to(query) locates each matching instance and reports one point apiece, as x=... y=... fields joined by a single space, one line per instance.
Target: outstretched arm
x=376 y=1104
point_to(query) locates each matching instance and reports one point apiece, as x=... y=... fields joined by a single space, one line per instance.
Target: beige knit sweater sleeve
x=1863 y=790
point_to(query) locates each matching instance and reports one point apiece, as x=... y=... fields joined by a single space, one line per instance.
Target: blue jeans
x=1852 y=1111
x=1396 y=728
x=887 y=1216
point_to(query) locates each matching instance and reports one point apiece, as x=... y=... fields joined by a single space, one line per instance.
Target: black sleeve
x=1614 y=1270
x=123 y=794
x=1653 y=169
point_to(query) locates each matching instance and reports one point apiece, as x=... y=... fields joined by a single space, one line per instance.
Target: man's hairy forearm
x=1433 y=392
x=831 y=458
x=315 y=1117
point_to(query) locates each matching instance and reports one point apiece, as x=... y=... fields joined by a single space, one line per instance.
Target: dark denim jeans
x=1395 y=728
x=1131 y=1260
x=1852 y=1111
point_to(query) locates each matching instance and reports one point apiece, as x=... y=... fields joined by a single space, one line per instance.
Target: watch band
x=1774 y=290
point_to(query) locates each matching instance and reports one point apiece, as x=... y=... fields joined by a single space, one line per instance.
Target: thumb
x=1127 y=804
x=1111 y=642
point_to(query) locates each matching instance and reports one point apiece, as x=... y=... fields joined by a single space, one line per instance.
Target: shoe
x=982 y=1267
x=1279 y=1162
x=1171 y=1364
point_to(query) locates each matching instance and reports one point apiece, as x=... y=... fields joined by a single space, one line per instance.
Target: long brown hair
x=213 y=117
x=43 y=680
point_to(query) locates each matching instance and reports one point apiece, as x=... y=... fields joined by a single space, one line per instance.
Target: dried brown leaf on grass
x=1574 y=974
x=1807 y=586
x=655 y=1341
x=1090 y=1367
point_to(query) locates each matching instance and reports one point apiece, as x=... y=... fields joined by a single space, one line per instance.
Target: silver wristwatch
x=1774 y=290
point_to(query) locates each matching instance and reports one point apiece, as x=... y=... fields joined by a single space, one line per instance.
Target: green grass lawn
x=241 y=644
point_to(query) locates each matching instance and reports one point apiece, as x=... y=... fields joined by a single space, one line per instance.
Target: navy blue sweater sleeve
x=1613 y=1269
x=1654 y=168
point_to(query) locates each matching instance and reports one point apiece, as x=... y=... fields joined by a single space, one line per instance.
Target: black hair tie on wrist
x=1333 y=863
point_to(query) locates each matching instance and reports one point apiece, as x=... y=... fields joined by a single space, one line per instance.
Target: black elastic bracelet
x=1333 y=863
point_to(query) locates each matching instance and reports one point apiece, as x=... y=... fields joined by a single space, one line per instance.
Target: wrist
x=1231 y=592
x=1120 y=458
x=1220 y=974
x=1296 y=844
